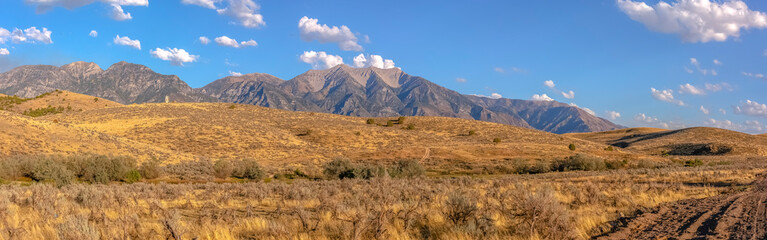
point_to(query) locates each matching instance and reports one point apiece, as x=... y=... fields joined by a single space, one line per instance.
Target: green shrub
x=248 y=169
x=200 y=170
x=368 y=172
x=339 y=168
x=101 y=169
x=496 y=140
x=522 y=166
x=151 y=169
x=223 y=169
x=693 y=163
x=132 y=176
x=410 y=126
x=48 y=169
x=401 y=120
x=232 y=106
x=39 y=112
x=408 y=169
x=390 y=123
x=571 y=147
x=472 y=133
x=579 y=162
x=609 y=148
x=371 y=121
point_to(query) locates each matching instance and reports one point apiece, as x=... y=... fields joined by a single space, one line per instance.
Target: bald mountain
x=364 y=92
x=375 y=92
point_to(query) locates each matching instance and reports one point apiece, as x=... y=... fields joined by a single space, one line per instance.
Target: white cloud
x=666 y=96
x=321 y=60
x=311 y=30
x=116 y=13
x=689 y=88
x=127 y=42
x=235 y=74
x=569 y=94
x=717 y=62
x=202 y=3
x=204 y=40
x=93 y=33
x=499 y=69
x=716 y=87
x=751 y=108
x=751 y=126
x=460 y=80
x=245 y=11
x=249 y=43
x=704 y=110
x=588 y=110
x=4 y=51
x=492 y=96
x=696 y=64
x=612 y=115
x=541 y=97
x=177 y=57
x=690 y=71
x=4 y=35
x=549 y=83
x=696 y=20
x=29 y=35
x=360 y=61
x=226 y=41
x=230 y=42
x=754 y=75
x=722 y=111
x=654 y=121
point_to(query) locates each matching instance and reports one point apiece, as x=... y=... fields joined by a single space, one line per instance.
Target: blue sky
x=609 y=53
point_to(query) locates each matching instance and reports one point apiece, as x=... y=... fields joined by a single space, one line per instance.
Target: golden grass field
x=462 y=196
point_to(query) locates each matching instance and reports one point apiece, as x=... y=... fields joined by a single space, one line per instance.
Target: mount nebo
x=364 y=92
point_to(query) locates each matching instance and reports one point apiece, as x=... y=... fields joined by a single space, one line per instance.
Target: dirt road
x=741 y=215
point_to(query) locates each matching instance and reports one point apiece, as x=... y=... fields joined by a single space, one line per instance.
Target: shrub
x=47 y=169
x=390 y=123
x=580 y=162
x=232 y=106
x=472 y=133
x=609 y=148
x=521 y=166
x=571 y=147
x=408 y=169
x=95 y=99
x=223 y=169
x=101 y=169
x=248 y=169
x=201 y=169
x=693 y=163
x=460 y=207
x=371 y=121
x=410 y=126
x=39 y=112
x=401 y=120
x=368 y=172
x=496 y=140
x=339 y=168
x=151 y=169
x=132 y=176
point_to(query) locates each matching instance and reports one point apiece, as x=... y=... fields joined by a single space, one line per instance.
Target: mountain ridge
x=344 y=90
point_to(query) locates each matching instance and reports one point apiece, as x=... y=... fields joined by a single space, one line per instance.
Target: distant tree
x=571 y=147
x=496 y=140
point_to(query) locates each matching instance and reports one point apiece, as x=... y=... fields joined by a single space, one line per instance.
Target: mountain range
x=363 y=92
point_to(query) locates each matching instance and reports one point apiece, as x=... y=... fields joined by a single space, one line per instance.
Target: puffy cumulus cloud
x=569 y=94
x=654 y=121
x=716 y=87
x=321 y=60
x=4 y=51
x=230 y=42
x=93 y=33
x=751 y=108
x=245 y=11
x=29 y=35
x=690 y=89
x=116 y=11
x=697 y=65
x=696 y=20
x=360 y=61
x=750 y=126
x=587 y=110
x=612 y=115
x=234 y=74
x=177 y=57
x=754 y=75
x=202 y=3
x=549 y=83
x=541 y=97
x=722 y=111
x=704 y=110
x=666 y=96
x=311 y=30
x=126 y=41
x=717 y=62
x=460 y=80
x=492 y=96
x=204 y=40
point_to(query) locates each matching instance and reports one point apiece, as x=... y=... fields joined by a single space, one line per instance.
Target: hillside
x=53 y=102
x=22 y=135
x=220 y=130
x=689 y=141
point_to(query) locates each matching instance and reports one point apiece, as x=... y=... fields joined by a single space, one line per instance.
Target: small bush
x=223 y=169
x=693 y=163
x=609 y=148
x=101 y=169
x=496 y=140
x=151 y=169
x=132 y=176
x=522 y=166
x=460 y=207
x=200 y=170
x=472 y=132
x=571 y=147
x=369 y=172
x=232 y=106
x=408 y=169
x=95 y=99
x=47 y=169
x=580 y=162
x=410 y=126
x=39 y=112
x=401 y=120
x=371 y=121
x=248 y=169
x=390 y=123
x=339 y=168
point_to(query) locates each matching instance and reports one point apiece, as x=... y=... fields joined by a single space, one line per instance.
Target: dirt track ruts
x=741 y=215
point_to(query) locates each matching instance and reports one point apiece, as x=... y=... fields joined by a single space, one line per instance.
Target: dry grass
x=68 y=101
x=574 y=205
